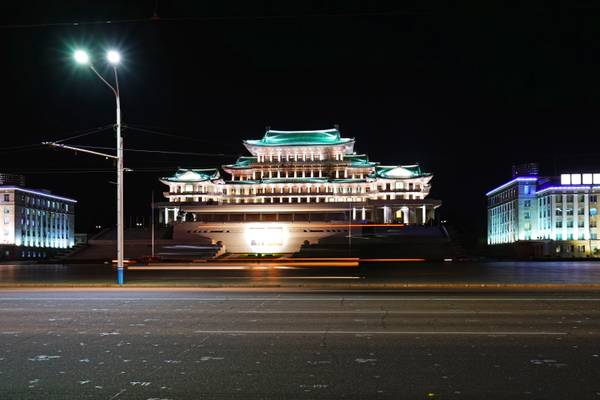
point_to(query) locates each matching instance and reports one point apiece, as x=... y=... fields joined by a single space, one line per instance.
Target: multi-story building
x=556 y=216
x=35 y=223
x=296 y=187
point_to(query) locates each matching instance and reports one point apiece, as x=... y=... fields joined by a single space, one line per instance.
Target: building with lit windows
x=546 y=216
x=35 y=223
x=296 y=187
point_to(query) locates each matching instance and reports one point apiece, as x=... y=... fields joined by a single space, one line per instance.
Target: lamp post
x=114 y=58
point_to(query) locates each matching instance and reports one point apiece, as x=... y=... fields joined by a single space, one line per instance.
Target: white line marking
x=336 y=299
x=377 y=312
x=457 y=333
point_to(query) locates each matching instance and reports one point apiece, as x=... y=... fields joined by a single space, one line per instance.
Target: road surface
x=549 y=272
x=264 y=344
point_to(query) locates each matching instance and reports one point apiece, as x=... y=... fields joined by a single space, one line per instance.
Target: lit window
x=576 y=179
x=587 y=179
x=565 y=179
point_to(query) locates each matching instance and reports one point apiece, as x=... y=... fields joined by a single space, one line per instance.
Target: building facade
x=558 y=216
x=296 y=187
x=35 y=223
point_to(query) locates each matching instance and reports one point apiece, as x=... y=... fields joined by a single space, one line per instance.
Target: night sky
x=464 y=91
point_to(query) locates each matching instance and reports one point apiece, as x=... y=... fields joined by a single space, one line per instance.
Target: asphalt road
x=199 y=344
x=548 y=272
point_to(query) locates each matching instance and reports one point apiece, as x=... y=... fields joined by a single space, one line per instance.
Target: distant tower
x=527 y=169
x=11 y=180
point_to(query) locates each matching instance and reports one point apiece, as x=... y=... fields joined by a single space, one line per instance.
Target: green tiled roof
x=241 y=163
x=295 y=180
x=325 y=137
x=399 y=171
x=192 y=175
x=359 y=160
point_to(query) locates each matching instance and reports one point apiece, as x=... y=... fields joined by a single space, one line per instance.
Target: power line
x=162 y=151
x=86 y=132
x=143 y=129
x=157 y=19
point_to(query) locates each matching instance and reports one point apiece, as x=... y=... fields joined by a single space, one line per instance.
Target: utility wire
x=86 y=132
x=156 y=19
x=161 y=151
x=140 y=128
x=19 y=147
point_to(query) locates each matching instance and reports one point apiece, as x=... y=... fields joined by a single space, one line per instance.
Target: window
x=559 y=224
x=569 y=224
x=527 y=203
x=6 y=197
x=593 y=198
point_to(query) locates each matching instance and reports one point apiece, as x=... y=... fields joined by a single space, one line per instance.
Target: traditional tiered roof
x=325 y=137
x=193 y=175
x=360 y=161
x=399 y=171
x=241 y=163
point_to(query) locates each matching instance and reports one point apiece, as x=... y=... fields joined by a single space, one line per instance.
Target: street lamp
x=114 y=58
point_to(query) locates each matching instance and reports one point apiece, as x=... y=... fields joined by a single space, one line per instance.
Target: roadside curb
x=404 y=286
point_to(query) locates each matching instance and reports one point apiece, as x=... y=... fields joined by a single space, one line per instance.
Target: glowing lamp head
x=113 y=57
x=81 y=57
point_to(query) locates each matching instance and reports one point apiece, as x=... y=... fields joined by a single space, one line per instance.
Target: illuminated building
x=558 y=216
x=295 y=187
x=35 y=223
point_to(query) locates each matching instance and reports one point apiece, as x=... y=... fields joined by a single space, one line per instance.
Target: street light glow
x=81 y=57
x=113 y=57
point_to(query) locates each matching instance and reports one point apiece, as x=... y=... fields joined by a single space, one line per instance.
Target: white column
x=405 y=212
x=353 y=213
x=552 y=217
x=364 y=214
x=386 y=215
x=166 y=215
x=424 y=215
x=586 y=217
x=564 y=217
x=575 y=216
